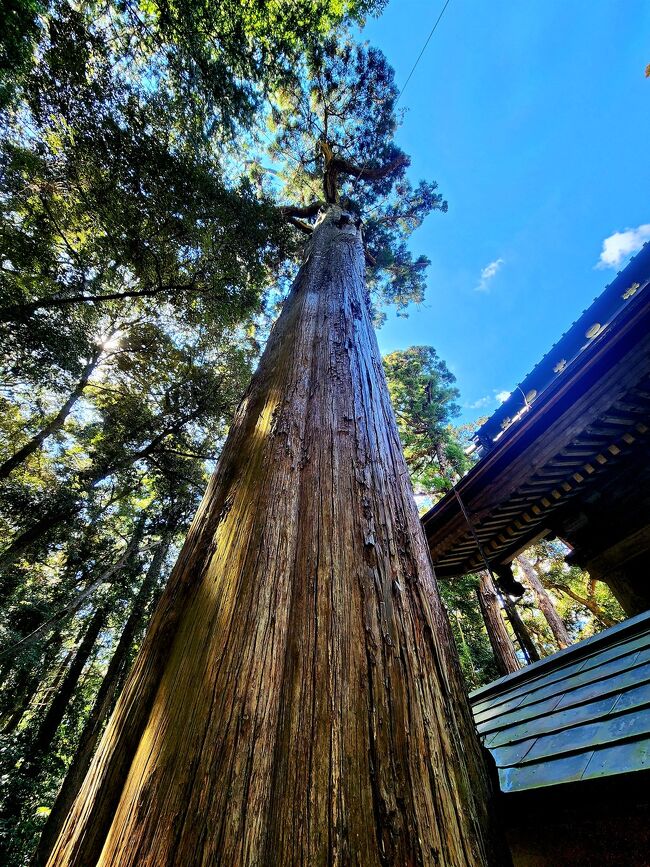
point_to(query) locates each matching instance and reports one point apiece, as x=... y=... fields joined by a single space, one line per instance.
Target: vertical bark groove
x=296 y=700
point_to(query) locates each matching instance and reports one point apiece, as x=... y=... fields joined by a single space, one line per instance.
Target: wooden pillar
x=630 y=583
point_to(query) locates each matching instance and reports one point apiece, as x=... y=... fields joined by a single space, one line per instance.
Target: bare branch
x=301 y=211
x=345 y=167
x=307 y=228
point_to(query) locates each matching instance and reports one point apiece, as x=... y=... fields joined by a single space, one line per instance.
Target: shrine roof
x=572 y=349
x=577 y=421
x=580 y=714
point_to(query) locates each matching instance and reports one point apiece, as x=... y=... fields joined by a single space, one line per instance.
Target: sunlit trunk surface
x=297 y=700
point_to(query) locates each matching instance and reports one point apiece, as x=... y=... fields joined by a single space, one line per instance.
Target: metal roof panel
x=581 y=713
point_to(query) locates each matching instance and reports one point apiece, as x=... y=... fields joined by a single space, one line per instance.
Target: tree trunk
x=101 y=708
x=520 y=630
x=25 y=690
x=78 y=601
x=46 y=732
x=54 y=715
x=296 y=699
x=592 y=606
x=55 y=424
x=545 y=603
x=502 y=647
x=62 y=512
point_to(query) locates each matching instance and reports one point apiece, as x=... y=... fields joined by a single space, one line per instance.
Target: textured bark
x=54 y=424
x=297 y=699
x=100 y=710
x=521 y=632
x=502 y=647
x=557 y=627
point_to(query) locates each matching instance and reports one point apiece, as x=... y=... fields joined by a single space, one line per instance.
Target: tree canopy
x=424 y=395
x=334 y=142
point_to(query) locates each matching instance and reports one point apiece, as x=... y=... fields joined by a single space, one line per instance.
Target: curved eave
x=559 y=431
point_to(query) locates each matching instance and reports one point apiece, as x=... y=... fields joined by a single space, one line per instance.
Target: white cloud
x=481 y=402
x=620 y=245
x=487 y=274
x=488 y=399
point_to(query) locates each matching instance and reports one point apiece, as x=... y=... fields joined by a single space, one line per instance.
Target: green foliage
x=473 y=645
x=105 y=204
x=135 y=247
x=222 y=56
x=344 y=118
x=140 y=241
x=586 y=606
x=424 y=396
x=138 y=443
x=20 y=25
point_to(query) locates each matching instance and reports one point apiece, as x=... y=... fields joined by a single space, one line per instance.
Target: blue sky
x=534 y=118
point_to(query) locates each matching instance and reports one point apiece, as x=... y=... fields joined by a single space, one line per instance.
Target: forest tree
x=297 y=698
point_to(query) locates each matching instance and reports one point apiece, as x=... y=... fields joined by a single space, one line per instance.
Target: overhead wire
x=424 y=48
x=410 y=75
x=399 y=96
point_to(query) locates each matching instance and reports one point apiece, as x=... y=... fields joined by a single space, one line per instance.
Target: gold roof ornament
x=631 y=291
x=593 y=331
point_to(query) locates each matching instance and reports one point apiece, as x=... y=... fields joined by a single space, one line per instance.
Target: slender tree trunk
x=55 y=424
x=107 y=576
x=297 y=699
x=61 y=512
x=520 y=630
x=63 y=692
x=545 y=603
x=11 y=718
x=101 y=708
x=446 y=471
x=25 y=690
x=22 y=541
x=42 y=740
x=62 y=696
x=502 y=646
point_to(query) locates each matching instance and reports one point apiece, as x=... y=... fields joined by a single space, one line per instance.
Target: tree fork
x=599 y=613
x=297 y=698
